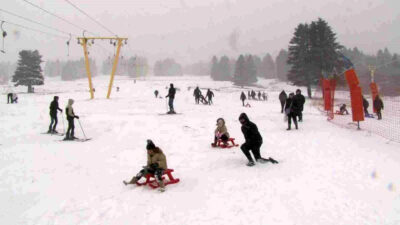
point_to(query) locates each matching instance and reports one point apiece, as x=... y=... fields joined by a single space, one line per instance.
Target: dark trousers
x=292 y=116
x=53 y=123
x=243 y=102
x=300 y=115
x=254 y=148
x=224 y=138
x=9 y=98
x=210 y=101
x=71 y=128
x=282 y=106
x=379 y=113
x=171 y=104
x=197 y=100
x=157 y=172
x=366 y=113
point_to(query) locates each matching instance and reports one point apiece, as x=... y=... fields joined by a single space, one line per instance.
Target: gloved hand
x=154 y=165
x=77 y=117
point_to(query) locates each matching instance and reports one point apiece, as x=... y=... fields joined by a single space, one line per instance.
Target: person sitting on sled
x=221 y=132
x=343 y=110
x=156 y=164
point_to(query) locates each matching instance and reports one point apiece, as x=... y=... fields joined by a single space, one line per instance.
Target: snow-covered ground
x=327 y=175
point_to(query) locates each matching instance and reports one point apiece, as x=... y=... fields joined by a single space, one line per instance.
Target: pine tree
x=214 y=73
x=282 y=67
x=29 y=72
x=240 y=72
x=299 y=56
x=251 y=70
x=225 y=69
x=267 y=67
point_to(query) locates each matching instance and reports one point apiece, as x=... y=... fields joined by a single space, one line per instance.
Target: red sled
x=221 y=144
x=151 y=181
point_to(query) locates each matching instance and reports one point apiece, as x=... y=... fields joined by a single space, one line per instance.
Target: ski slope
x=327 y=175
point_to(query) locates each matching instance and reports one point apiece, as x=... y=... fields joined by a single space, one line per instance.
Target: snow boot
x=250 y=163
x=272 y=160
x=162 y=186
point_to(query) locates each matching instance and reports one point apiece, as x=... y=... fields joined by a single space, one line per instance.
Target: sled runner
x=151 y=181
x=221 y=144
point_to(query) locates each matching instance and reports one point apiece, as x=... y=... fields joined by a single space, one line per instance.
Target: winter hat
x=150 y=145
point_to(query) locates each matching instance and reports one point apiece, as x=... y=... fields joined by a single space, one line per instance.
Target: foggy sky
x=192 y=30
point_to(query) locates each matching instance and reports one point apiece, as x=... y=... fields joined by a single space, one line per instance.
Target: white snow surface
x=327 y=175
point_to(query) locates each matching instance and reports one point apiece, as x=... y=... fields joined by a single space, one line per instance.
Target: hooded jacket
x=221 y=128
x=157 y=157
x=171 y=92
x=250 y=131
x=69 y=111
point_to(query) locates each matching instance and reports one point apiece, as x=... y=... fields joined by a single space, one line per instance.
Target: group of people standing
x=378 y=106
x=251 y=95
x=292 y=106
x=69 y=111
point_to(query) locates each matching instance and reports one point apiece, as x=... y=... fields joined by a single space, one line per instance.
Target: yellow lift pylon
x=84 y=41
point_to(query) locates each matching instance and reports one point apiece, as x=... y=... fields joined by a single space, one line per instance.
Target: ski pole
x=63 y=123
x=82 y=129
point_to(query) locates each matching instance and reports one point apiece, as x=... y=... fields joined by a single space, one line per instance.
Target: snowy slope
x=327 y=175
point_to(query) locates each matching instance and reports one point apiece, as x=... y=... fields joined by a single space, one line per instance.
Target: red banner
x=356 y=95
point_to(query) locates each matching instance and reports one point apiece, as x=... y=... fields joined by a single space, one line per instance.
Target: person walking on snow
x=221 y=132
x=156 y=164
x=53 y=115
x=253 y=141
x=291 y=110
x=210 y=95
x=378 y=105
x=69 y=111
x=259 y=95
x=171 y=96
x=300 y=100
x=243 y=97
x=197 y=94
x=282 y=99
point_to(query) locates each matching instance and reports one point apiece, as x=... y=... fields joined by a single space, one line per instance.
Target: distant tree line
x=167 y=67
x=134 y=66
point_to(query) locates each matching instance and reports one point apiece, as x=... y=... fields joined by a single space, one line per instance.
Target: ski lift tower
x=118 y=42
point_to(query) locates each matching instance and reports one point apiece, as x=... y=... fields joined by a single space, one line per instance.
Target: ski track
x=327 y=174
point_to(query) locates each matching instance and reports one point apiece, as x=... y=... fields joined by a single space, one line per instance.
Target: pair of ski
x=75 y=139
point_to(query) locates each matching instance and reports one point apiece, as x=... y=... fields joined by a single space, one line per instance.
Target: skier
x=221 y=132
x=210 y=95
x=291 y=110
x=156 y=93
x=300 y=100
x=259 y=95
x=196 y=94
x=14 y=98
x=365 y=106
x=253 y=141
x=282 y=99
x=53 y=115
x=378 y=105
x=69 y=111
x=248 y=95
x=156 y=164
x=343 y=110
x=171 y=96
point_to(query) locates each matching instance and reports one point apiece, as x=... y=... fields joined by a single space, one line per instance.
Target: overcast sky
x=192 y=30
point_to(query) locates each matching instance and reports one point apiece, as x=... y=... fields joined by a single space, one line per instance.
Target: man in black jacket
x=53 y=115
x=253 y=141
x=171 y=96
x=378 y=105
x=365 y=106
x=292 y=109
x=282 y=99
x=300 y=102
